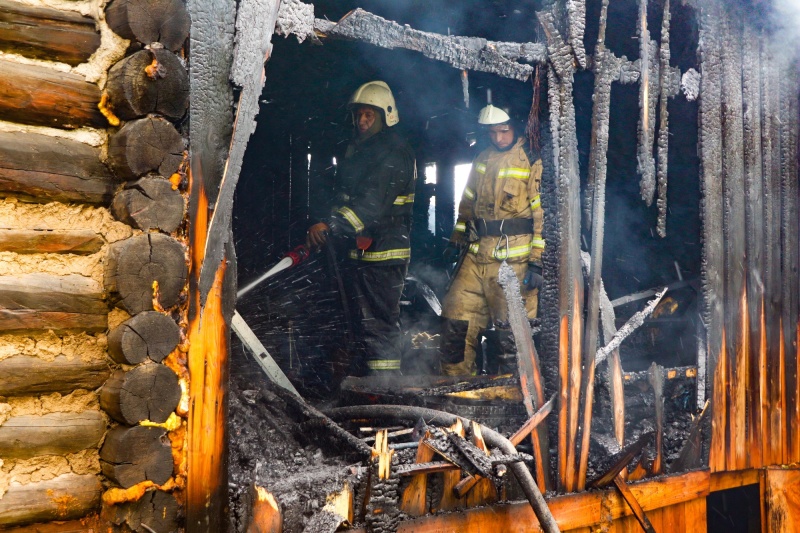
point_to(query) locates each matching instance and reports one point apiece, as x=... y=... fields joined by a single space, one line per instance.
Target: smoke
x=785 y=18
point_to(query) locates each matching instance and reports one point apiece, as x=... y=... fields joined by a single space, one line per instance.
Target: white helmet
x=377 y=94
x=491 y=115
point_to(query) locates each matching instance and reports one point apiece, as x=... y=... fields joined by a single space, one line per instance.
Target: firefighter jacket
x=375 y=199
x=501 y=186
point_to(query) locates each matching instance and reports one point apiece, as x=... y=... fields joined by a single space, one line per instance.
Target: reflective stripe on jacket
x=375 y=198
x=503 y=185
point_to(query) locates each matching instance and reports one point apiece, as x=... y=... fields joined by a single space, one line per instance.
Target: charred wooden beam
x=149 y=203
x=163 y=21
x=251 y=53
x=42 y=241
x=648 y=95
x=622 y=460
x=131 y=455
x=59 y=303
x=630 y=326
x=150 y=144
x=26 y=436
x=564 y=239
x=30 y=376
x=713 y=272
x=414 y=501
x=529 y=370
x=754 y=240
x=65 y=497
x=576 y=26
x=210 y=126
x=43 y=168
x=148 y=392
x=733 y=224
x=45 y=97
x=47 y=33
x=156 y=510
x=149 y=81
x=148 y=335
x=656 y=380
x=790 y=269
x=460 y=52
x=532 y=422
x=663 y=126
x=146 y=272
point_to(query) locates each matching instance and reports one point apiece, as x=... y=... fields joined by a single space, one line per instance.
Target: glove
x=533 y=277
x=451 y=253
x=317 y=235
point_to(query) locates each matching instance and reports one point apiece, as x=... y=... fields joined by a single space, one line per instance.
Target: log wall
x=92 y=179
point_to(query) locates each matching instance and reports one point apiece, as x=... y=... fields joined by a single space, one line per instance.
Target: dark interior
x=303 y=125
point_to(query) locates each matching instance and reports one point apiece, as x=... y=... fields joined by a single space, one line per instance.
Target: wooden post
x=146 y=145
x=25 y=375
x=26 y=436
x=132 y=455
x=148 y=392
x=149 y=203
x=148 y=21
x=45 y=97
x=148 y=335
x=45 y=302
x=47 y=33
x=42 y=168
x=149 y=81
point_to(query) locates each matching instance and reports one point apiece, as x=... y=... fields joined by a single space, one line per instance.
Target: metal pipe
x=492 y=438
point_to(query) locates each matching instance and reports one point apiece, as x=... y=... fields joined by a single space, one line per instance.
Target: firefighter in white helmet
x=499 y=219
x=371 y=220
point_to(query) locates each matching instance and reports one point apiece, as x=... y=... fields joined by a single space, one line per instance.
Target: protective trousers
x=374 y=293
x=474 y=300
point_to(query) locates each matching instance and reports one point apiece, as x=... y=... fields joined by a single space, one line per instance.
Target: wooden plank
x=695 y=516
x=783 y=500
x=33 y=302
x=414 y=499
x=42 y=96
x=712 y=213
x=731 y=480
x=46 y=33
x=65 y=497
x=40 y=241
x=26 y=436
x=570 y=511
x=30 y=376
x=633 y=503
x=754 y=236
x=44 y=168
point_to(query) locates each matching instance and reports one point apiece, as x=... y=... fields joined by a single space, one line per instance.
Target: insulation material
x=48 y=346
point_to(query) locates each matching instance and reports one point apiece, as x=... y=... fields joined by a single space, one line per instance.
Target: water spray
x=290 y=259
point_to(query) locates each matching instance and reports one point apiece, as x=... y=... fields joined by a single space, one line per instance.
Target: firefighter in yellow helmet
x=370 y=222
x=499 y=219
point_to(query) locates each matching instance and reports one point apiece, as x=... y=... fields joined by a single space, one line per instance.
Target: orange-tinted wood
x=451 y=478
x=563 y=399
x=719 y=418
x=571 y=511
x=413 y=501
x=731 y=480
x=783 y=500
x=695 y=516
x=484 y=490
x=633 y=503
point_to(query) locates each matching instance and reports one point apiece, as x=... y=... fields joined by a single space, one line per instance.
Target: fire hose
x=412 y=414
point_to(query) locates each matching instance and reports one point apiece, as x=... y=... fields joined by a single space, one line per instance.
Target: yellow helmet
x=491 y=115
x=377 y=94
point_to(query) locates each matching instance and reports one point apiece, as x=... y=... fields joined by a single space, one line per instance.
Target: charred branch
x=663 y=126
x=630 y=326
x=648 y=96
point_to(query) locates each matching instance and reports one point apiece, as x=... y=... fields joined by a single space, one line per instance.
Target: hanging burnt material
x=663 y=127
x=564 y=239
x=576 y=26
x=754 y=237
x=465 y=87
x=532 y=127
x=648 y=96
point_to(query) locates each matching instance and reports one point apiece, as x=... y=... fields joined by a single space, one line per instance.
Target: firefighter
x=372 y=216
x=499 y=219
